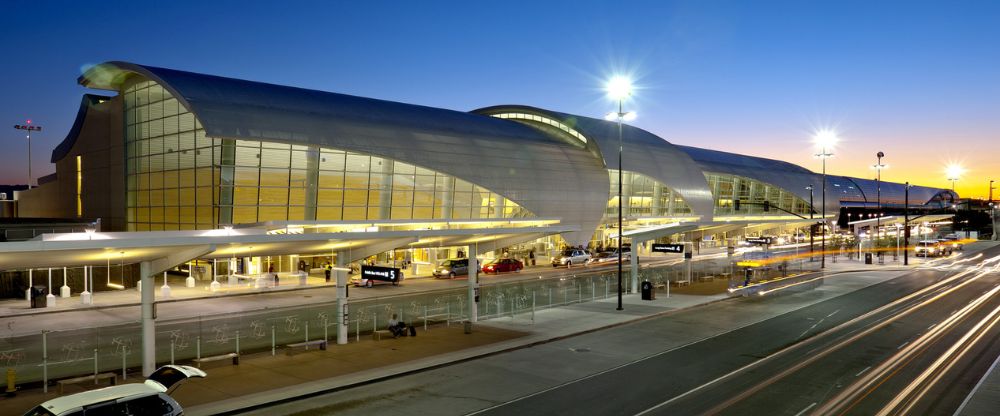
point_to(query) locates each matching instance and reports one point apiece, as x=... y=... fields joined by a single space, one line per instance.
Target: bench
x=234 y=356
x=93 y=377
x=681 y=282
x=378 y=334
x=435 y=317
x=706 y=278
x=306 y=344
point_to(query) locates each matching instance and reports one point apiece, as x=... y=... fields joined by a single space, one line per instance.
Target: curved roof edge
x=63 y=148
x=644 y=153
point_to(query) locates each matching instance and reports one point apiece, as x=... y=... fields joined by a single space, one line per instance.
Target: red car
x=502 y=266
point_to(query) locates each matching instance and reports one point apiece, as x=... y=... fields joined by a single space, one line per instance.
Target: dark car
x=502 y=266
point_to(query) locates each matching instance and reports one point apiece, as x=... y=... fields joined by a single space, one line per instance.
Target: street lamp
x=619 y=88
x=29 y=128
x=954 y=172
x=825 y=139
x=878 y=166
x=812 y=227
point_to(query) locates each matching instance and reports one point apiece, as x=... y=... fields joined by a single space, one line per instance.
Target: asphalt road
x=794 y=354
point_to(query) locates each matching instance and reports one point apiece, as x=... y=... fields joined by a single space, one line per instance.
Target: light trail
x=813 y=357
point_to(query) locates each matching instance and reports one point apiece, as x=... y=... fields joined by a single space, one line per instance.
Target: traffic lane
x=644 y=384
x=474 y=385
x=755 y=390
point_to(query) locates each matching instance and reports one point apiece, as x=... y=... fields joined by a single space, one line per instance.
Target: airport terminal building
x=174 y=150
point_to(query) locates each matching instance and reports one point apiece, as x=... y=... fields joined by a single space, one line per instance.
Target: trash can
x=38 y=299
x=648 y=292
x=868 y=258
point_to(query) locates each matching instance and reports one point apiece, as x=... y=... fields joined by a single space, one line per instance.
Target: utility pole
x=906 y=225
x=29 y=128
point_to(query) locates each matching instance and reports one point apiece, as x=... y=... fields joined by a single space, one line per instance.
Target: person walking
x=531 y=257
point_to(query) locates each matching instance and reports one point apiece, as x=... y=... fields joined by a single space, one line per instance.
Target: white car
x=148 y=398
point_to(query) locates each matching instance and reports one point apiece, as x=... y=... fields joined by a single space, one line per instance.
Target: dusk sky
x=917 y=80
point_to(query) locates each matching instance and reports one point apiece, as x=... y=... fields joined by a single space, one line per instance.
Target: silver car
x=451 y=268
x=571 y=256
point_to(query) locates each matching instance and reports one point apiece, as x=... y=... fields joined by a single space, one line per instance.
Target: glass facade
x=180 y=179
x=543 y=120
x=752 y=194
x=644 y=197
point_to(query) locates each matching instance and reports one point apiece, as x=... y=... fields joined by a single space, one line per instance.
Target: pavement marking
x=932 y=326
x=834 y=313
x=902 y=345
x=806 y=409
x=862 y=371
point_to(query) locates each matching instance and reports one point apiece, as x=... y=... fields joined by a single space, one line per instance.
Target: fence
x=60 y=354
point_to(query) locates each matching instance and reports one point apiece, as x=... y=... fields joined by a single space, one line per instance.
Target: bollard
x=532 y=306
x=374 y=322
x=579 y=293
x=307 y=334
x=95 y=366
x=425 y=317
x=238 y=342
x=11 y=382
x=197 y=352
x=605 y=288
x=45 y=362
x=447 y=320
x=357 y=330
x=272 y=341
x=325 y=330
x=171 y=354
x=124 y=364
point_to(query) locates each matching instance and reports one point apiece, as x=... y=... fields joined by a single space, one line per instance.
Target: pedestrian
x=531 y=257
x=327 y=269
x=274 y=275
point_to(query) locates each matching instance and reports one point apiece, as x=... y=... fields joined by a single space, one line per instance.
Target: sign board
x=384 y=274
x=759 y=240
x=668 y=248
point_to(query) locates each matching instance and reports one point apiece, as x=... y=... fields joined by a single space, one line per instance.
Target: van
x=451 y=268
x=148 y=398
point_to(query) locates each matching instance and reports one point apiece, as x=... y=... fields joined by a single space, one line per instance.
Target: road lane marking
x=932 y=326
x=834 y=313
x=806 y=409
x=902 y=345
x=862 y=371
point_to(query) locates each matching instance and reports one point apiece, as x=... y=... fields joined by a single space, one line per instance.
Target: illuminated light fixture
x=825 y=139
x=619 y=87
x=954 y=172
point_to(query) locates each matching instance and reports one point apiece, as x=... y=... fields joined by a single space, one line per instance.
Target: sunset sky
x=917 y=80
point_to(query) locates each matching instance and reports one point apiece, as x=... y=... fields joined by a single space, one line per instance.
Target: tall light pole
x=619 y=88
x=812 y=226
x=906 y=224
x=878 y=166
x=954 y=172
x=825 y=139
x=29 y=128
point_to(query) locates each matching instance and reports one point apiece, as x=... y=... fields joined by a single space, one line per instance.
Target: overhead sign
x=759 y=240
x=385 y=274
x=668 y=248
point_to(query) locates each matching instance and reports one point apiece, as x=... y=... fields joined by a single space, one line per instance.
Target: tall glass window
x=644 y=197
x=180 y=179
x=752 y=194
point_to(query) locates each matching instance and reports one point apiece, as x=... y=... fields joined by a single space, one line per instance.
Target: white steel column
x=473 y=285
x=31 y=283
x=189 y=282
x=165 y=289
x=634 y=263
x=85 y=297
x=214 y=286
x=64 y=291
x=148 y=324
x=50 y=299
x=342 y=304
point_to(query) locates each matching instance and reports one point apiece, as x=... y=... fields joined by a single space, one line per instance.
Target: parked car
x=451 y=268
x=148 y=398
x=929 y=248
x=503 y=266
x=606 y=257
x=571 y=256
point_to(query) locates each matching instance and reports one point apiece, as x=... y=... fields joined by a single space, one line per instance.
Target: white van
x=148 y=398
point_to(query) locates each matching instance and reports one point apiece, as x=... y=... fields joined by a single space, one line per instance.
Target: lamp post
x=825 y=139
x=619 y=88
x=878 y=166
x=954 y=173
x=29 y=128
x=906 y=224
x=812 y=226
